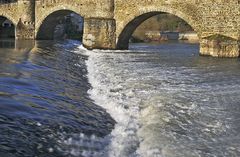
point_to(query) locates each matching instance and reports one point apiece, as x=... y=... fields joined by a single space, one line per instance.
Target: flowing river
x=58 y=99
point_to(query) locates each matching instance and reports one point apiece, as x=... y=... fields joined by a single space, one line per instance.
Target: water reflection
x=7 y=43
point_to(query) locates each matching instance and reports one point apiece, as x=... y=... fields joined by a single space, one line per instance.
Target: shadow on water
x=44 y=99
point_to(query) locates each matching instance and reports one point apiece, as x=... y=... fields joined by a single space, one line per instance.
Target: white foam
x=109 y=92
x=82 y=145
x=81 y=47
x=120 y=85
x=153 y=104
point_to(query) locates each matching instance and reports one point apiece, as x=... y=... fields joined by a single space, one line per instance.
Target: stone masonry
x=108 y=24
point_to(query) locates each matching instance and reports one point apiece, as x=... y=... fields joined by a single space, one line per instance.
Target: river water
x=58 y=99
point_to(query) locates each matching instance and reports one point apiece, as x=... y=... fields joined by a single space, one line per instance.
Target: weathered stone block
x=99 y=33
x=25 y=31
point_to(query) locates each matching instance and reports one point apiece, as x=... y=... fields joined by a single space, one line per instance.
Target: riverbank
x=157 y=36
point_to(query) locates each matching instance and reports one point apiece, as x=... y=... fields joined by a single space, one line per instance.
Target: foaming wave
x=82 y=145
x=126 y=87
x=163 y=105
x=110 y=91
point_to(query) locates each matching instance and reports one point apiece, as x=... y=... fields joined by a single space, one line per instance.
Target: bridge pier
x=220 y=46
x=25 y=32
x=25 y=28
x=99 y=33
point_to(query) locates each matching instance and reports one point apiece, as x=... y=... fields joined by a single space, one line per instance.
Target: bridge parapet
x=85 y=8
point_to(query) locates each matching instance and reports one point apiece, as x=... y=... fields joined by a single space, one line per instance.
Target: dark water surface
x=43 y=100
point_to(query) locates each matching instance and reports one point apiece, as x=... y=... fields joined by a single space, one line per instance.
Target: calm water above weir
x=59 y=99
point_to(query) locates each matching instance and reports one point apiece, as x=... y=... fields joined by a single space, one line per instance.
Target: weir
x=108 y=24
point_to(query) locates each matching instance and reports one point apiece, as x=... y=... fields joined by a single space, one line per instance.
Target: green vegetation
x=162 y=22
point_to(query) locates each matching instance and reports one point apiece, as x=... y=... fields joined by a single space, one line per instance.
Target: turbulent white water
x=166 y=104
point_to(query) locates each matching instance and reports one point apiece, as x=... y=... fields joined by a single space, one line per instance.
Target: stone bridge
x=108 y=24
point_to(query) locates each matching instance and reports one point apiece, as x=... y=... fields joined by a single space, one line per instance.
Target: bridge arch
x=46 y=22
x=7 y=27
x=130 y=24
x=10 y=17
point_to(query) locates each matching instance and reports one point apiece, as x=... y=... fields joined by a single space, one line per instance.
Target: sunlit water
x=60 y=99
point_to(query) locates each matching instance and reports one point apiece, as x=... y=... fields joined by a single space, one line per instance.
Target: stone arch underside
x=46 y=29
x=132 y=22
x=10 y=16
x=46 y=21
x=9 y=31
x=2 y=19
